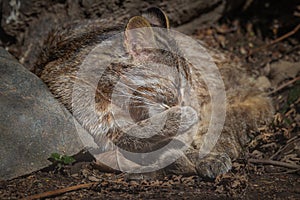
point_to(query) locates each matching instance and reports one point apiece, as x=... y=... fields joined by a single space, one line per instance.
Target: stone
x=33 y=124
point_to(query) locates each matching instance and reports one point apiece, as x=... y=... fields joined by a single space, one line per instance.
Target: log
x=26 y=23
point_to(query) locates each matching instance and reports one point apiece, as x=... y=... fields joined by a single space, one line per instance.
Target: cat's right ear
x=139 y=36
x=156 y=17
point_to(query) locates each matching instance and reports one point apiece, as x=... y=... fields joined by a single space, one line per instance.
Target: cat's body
x=157 y=93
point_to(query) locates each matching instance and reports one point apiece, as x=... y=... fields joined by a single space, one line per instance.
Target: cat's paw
x=213 y=165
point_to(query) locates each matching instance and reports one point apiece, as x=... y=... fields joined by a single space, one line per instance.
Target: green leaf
x=56 y=156
x=67 y=160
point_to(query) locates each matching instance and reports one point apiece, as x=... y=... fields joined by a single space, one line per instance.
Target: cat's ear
x=139 y=36
x=156 y=17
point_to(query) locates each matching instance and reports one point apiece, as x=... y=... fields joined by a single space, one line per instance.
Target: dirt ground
x=269 y=169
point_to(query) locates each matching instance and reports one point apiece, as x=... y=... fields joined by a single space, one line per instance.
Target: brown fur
x=247 y=108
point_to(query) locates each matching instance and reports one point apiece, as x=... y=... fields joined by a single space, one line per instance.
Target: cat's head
x=158 y=77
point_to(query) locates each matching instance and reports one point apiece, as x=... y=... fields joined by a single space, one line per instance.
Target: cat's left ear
x=156 y=17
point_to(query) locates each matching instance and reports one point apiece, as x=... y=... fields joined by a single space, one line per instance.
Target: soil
x=269 y=169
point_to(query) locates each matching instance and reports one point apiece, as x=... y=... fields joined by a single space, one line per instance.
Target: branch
x=295 y=30
x=285 y=85
x=275 y=163
x=60 y=191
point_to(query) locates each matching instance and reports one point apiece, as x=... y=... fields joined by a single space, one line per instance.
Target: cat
x=136 y=99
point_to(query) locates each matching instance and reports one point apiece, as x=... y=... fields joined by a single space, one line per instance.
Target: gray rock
x=33 y=124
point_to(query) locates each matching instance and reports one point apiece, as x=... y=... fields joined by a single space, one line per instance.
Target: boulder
x=33 y=124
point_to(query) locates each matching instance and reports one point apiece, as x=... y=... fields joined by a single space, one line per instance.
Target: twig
x=60 y=191
x=295 y=30
x=293 y=139
x=284 y=85
x=275 y=163
x=289 y=142
x=287 y=172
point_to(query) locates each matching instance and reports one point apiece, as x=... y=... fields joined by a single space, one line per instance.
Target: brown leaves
x=234 y=185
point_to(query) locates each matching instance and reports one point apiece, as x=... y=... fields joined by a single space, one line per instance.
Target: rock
x=283 y=70
x=263 y=83
x=33 y=124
